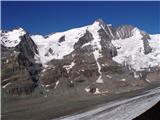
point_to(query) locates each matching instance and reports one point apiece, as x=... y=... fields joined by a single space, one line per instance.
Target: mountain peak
x=12 y=38
x=88 y=53
x=100 y=21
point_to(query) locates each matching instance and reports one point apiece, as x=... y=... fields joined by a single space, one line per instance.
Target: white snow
x=60 y=49
x=68 y=67
x=7 y=61
x=66 y=47
x=97 y=91
x=86 y=44
x=110 y=31
x=135 y=75
x=87 y=89
x=12 y=38
x=43 y=70
x=97 y=47
x=131 y=52
x=109 y=76
x=4 y=86
x=99 y=80
x=104 y=92
x=47 y=85
x=118 y=35
x=123 y=80
x=56 y=84
x=148 y=80
x=5 y=79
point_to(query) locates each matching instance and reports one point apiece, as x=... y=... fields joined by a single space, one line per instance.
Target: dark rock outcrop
x=87 y=62
x=108 y=49
x=62 y=39
x=124 y=31
x=20 y=69
x=87 y=37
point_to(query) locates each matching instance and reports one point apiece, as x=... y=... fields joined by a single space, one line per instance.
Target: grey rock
x=124 y=31
x=145 y=38
x=87 y=37
x=62 y=39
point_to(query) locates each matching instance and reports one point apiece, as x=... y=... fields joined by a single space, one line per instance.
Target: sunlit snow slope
x=11 y=38
x=130 y=49
x=131 y=52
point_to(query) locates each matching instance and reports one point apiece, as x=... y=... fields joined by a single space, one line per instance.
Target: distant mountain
x=95 y=59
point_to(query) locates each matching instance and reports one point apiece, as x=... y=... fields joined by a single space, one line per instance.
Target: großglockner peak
x=97 y=56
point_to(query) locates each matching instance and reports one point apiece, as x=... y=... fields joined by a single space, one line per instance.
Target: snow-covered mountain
x=135 y=48
x=132 y=51
x=97 y=53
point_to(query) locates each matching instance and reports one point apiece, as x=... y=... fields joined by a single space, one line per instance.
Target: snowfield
x=59 y=49
x=12 y=38
x=57 y=45
x=126 y=109
x=131 y=52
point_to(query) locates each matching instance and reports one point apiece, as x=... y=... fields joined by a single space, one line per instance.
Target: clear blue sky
x=47 y=17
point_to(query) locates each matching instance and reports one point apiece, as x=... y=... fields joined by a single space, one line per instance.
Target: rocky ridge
x=95 y=59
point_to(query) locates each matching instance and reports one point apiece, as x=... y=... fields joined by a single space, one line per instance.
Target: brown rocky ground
x=47 y=106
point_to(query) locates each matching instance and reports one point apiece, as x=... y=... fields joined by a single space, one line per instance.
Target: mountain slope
x=20 y=72
x=97 y=58
x=132 y=51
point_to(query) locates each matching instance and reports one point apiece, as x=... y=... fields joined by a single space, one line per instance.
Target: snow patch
x=59 y=50
x=11 y=38
x=56 y=84
x=131 y=52
x=110 y=31
x=123 y=80
x=86 y=44
x=97 y=47
x=109 y=76
x=97 y=91
x=87 y=89
x=148 y=80
x=68 y=67
x=135 y=75
x=47 y=85
x=4 y=86
x=7 y=61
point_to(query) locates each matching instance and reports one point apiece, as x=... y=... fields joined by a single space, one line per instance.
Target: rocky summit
x=97 y=59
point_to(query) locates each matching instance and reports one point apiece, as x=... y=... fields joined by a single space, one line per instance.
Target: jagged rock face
x=82 y=57
x=20 y=72
x=28 y=50
x=87 y=37
x=124 y=31
x=109 y=30
x=145 y=38
x=108 y=49
x=147 y=47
